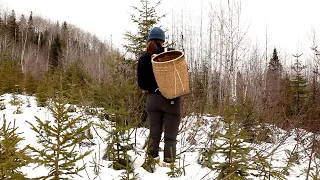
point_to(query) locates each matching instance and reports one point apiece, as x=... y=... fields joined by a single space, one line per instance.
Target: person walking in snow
x=161 y=111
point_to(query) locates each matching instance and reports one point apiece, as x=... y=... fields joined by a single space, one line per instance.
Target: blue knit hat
x=156 y=33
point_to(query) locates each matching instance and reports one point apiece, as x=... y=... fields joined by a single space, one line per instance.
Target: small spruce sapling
x=292 y=158
x=176 y=171
x=12 y=159
x=16 y=101
x=96 y=165
x=28 y=102
x=59 y=140
x=264 y=168
x=2 y=106
x=233 y=149
x=315 y=173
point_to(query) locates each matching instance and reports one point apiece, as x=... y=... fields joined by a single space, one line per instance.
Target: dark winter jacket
x=146 y=79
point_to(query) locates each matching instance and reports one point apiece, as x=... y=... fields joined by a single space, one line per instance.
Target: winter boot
x=150 y=164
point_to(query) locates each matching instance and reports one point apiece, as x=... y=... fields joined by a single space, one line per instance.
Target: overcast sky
x=289 y=22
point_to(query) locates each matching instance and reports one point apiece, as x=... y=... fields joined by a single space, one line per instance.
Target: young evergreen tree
x=234 y=150
x=287 y=95
x=59 y=140
x=312 y=122
x=45 y=89
x=265 y=169
x=275 y=64
x=12 y=158
x=274 y=73
x=114 y=97
x=274 y=96
x=31 y=84
x=31 y=29
x=145 y=21
x=298 y=86
x=177 y=170
x=55 y=52
x=13 y=27
x=75 y=83
x=10 y=74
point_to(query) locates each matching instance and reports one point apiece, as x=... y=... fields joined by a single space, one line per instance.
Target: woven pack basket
x=171 y=72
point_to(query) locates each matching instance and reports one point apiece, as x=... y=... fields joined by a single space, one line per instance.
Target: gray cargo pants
x=168 y=112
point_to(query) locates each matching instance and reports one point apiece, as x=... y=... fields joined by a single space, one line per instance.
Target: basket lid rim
x=182 y=54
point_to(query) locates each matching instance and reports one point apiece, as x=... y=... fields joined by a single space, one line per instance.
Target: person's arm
x=142 y=81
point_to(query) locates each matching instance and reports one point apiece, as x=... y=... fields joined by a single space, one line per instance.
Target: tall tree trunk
x=38 y=48
x=24 y=42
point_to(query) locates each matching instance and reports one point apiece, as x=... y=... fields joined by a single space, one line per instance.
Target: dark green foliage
x=274 y=102
x=275 y=64
x=75 y=83
x=114 y=97
x=59 y=140
x=265 y=169
x=18 y=102
x=118 y=144
x=2 y=105
x=12 y=158
x=205 y=157
x=252 y=124
x=10 y=75
x=233 y=149
x=200 y=90
x=287 y=96
x=13 y=27
x=146 y=19
x=127 y=174
x=292 y=158
x=41 y=95
x=64 y=35
x=55 y=53
x=15 y=100
x=28 y=102
x=31 y=84
x=44 y=36
x=45 y=89
x=299 y=87
x=274 y=76
x=31 y=30
x=176 y=171
x=240 y=158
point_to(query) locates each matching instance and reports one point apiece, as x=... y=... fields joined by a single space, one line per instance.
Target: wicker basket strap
x=175 y=82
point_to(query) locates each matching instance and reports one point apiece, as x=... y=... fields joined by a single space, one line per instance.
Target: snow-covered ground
x=190 y=140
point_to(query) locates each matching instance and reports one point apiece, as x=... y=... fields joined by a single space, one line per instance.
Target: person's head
x=156 y=35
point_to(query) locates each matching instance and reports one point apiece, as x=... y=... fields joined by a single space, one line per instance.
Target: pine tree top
x=275 y=64
x=146 y=19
